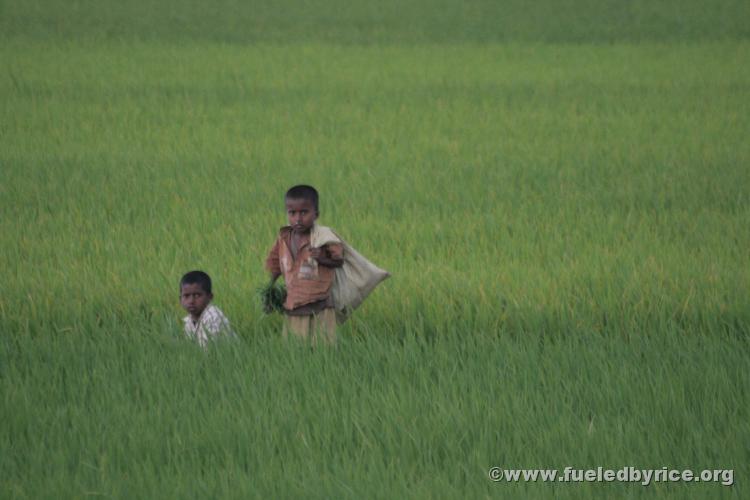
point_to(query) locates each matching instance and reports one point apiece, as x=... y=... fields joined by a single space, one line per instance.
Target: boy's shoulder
x=214 y=321
x=324 y=235
x=213 y=318
x=284 y=231
x=213 y=309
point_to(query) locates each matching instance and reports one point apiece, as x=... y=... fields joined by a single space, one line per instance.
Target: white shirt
x=211 y=323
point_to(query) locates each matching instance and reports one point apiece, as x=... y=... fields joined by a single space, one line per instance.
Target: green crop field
x=561 y=191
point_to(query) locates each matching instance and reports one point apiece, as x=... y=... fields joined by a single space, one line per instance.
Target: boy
x=205 y=319
x=308 y=271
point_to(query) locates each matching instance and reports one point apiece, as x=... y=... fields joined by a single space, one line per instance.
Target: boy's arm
x=272 y=262
x=331 y=255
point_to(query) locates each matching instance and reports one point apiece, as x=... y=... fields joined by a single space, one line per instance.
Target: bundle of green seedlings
x=272 y=297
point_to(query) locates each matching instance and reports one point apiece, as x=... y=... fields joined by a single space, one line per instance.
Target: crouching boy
x=205 y=321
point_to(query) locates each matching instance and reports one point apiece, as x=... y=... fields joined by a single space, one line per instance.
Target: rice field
x=561 y=192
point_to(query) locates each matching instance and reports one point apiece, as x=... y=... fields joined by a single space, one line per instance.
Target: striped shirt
x=211 y=323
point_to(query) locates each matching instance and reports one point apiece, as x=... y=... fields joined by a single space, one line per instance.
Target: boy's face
x=194 y=299
x=301 y=214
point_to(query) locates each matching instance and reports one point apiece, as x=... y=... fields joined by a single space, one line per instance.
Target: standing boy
x=308 y=271
x=205 y=320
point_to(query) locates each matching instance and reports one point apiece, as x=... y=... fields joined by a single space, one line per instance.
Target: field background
x=559 y=188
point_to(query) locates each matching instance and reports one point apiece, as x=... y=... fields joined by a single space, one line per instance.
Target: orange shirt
x=306 y=280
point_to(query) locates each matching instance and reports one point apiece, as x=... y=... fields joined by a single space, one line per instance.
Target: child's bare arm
x=329 y=255
x=272 y=262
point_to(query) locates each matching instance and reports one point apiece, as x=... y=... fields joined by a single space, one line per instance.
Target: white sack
x=354 y=280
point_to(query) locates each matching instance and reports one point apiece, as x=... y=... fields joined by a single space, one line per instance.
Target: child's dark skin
x=194 y=300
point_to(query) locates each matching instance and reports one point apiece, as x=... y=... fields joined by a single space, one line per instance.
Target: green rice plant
x=272 y=297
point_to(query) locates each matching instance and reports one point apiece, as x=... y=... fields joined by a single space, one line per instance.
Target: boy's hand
x=317 y=253
x=322 y=256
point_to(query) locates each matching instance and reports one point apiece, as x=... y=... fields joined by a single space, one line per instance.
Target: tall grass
x=141 y=413
x=388 y=22
x=566 y=226
x=532 y=187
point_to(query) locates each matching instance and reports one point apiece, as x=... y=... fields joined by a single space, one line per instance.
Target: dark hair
x=197 y=278
x=303 y=192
